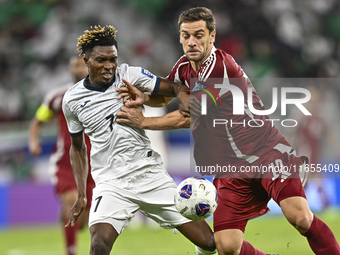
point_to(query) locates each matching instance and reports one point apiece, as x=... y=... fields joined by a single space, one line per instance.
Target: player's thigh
x=238 y=201
x=156 y=194
x=112 y=204
x=229 y=241
x=199 y=233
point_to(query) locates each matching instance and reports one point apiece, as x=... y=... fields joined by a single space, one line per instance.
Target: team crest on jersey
x=198 y=86
x=147 y=73
x=205 y=87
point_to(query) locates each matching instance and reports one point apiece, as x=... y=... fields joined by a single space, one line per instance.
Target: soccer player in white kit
x=128 y=174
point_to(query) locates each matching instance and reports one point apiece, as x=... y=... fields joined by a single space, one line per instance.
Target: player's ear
x=212 y=36
x=86 y=61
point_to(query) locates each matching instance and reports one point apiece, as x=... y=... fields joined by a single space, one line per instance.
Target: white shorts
x=116 y=201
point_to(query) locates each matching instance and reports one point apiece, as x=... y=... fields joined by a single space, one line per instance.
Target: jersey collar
x=96 y=88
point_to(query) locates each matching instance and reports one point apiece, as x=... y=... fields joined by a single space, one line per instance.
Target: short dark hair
x=197 y=14
x=97 y=36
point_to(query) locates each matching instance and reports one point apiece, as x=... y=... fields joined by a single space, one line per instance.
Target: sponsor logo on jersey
x=85 y=103
x=147 y=73
x=205 y=87
x=198 y=86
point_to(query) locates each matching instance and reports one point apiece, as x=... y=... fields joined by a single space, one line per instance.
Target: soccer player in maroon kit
x=241 y=196
x=65 y=185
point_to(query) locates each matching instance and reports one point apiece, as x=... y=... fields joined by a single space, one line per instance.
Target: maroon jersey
x=237 y=143
x=60 y=159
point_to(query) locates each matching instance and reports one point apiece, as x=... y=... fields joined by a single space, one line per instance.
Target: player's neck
x=196 y=65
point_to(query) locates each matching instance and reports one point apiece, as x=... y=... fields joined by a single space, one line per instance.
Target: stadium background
x=269 y=38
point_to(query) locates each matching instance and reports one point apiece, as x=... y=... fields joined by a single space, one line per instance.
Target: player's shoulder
x=122 y=68
x=227 y=58
x=134 y=72
x=126 y=69
x=227 y=61
x=72 y=91
x=182 y=61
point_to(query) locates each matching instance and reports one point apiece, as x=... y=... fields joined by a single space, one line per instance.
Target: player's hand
x=76 y=210
x=124 y=93
x=136 y=96
x=35 y=148
x=189 y=105
x=131 y=116
x=195 y=107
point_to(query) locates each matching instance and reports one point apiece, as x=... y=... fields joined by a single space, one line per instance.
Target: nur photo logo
x=247 y=102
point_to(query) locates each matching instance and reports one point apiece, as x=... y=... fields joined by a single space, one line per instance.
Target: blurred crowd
x=38 y=37
x=269 y=38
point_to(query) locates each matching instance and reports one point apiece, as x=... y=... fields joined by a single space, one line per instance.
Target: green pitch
x=270 y=234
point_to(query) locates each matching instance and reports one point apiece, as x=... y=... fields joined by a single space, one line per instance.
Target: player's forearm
x=78 y=158
x=34 y=130
x=171 y=89
x=156 y=100
x=34 y=142
x=188 y=106
x=173 y=120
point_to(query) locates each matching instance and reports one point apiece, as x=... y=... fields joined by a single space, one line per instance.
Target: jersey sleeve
x=144 y=80
x=176 y=69
x=75 y=127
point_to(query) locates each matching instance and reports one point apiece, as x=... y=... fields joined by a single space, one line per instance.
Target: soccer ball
x=196 y=198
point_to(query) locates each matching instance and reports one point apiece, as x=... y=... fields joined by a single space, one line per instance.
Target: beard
x=198 y=58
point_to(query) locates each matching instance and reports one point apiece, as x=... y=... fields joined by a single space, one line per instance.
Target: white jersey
x=116 y=150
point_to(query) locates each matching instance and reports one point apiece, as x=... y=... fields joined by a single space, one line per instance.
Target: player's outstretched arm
x=131 y=92
x=134 y=118
x=78 y=158
x=187 y=104
x=43 y=115
x=34 y=142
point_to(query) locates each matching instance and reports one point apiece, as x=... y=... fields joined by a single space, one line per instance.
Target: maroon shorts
x=66 y=182
x=240 y=199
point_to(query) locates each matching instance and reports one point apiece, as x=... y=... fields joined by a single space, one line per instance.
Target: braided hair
x=97 y=36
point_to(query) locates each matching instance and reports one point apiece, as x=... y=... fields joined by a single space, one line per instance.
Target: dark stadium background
x=269 y=38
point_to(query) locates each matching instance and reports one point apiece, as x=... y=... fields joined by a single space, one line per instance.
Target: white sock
x=200 y=251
